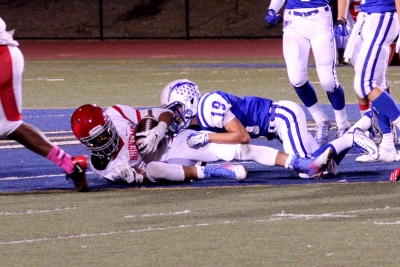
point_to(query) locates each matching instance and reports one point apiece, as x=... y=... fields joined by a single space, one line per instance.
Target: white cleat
x=225 y=170
x=341 y=131
x=322 y=132
x=385 y=155
x=240 y=170
x=363 y=144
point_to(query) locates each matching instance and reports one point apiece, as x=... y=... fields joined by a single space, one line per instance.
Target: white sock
x=200 y=173
x=318 y=113
x=387 y=142
x=341 y=118
x=287 y=162
x=364 y=123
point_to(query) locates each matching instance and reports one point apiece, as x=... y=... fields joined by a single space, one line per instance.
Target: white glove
x=398 y=44
x=127 y=173
x=152 y=137
x=197 y=139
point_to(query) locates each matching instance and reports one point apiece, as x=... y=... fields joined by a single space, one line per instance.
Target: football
x=145 y=124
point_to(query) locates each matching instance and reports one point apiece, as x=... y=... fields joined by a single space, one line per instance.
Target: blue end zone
x=22 y=170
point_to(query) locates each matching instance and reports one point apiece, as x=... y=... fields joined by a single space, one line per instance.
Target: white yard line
x=274 y=218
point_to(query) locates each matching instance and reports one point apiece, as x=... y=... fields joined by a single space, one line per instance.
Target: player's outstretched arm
x=236 y=134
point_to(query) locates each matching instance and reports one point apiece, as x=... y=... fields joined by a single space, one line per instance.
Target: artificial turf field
x=273 y=218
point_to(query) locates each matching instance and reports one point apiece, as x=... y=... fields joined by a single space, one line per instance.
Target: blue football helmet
x=182 y=97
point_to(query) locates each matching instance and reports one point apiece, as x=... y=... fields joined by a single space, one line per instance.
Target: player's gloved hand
x=124 y=171
x=395 y=175
x=341 y=33
x=398 y=44
x=152 y=137
x=272 y=18
x=197 y=139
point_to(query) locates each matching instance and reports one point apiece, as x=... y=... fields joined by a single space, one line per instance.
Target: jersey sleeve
x=214 y=111
x=122 y=112
x=158 y=111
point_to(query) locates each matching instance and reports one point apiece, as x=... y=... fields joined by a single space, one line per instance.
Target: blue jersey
x=217 y=108
x=294 y=4
x=378 y=6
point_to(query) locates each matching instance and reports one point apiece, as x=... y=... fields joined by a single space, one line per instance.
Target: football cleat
x=322 y=132
x=340 y=132
x=363 y=144
x=395 y=175
x=384 y=155
x=314 y=167
x=226 y=170
x=78 y=177
x=331 y=169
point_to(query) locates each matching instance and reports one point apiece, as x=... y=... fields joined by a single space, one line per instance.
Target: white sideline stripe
x=62 y=143
x=45 y=79
x=35 y=211
x=12 y=178
x=159 y=214
x=10 y=144
x=292 y=216
x=387 y=223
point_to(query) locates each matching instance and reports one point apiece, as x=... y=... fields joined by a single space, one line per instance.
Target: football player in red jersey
x=11 y=124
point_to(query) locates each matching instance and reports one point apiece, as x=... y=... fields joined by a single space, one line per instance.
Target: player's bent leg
x=260 y=154
x=157 y=170
x=291 y=127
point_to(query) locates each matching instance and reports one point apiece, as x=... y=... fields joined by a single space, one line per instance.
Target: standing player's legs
x=378 y=33
x=387 y=150
x=296 y=49
x=12 y=126
x=323 y=46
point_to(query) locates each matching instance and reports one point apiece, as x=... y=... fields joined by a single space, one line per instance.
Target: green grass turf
x=309 y=225
x=70 y=83
x=299 y=225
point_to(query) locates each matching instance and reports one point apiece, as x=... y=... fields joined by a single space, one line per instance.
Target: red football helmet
x=95 y=130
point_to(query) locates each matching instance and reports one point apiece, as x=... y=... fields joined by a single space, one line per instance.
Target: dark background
x=137 y=19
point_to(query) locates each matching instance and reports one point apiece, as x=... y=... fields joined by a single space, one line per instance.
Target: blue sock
x=307 y=94
x=386 y=104
x=337 y=98
x=320 y=150
x=384 y=123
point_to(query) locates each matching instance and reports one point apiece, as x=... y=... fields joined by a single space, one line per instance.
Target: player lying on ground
x=110 y=137
x=234 y=120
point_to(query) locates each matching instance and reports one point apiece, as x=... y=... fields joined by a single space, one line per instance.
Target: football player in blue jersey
x=231 y=119
x=309 y=25
x=368 y=48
